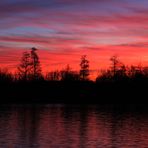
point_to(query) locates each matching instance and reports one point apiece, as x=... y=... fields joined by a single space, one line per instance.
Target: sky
x=64 y=30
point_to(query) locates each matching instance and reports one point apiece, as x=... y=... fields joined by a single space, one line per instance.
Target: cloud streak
x=67 y=29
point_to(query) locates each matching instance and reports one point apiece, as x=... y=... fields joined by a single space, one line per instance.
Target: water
x=61 y=126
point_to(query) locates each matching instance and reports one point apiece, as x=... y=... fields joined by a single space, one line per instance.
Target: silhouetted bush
x=5 y=76
x=53 y=76
x=68 y=75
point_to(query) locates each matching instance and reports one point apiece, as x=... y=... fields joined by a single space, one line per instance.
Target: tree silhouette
x=35 y=64
x=115 y=63
x=24 y=69
x=84 y=65
x=117 y=72
x=118 y=69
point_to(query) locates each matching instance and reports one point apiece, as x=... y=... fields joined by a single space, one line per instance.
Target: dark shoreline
x=74 y=92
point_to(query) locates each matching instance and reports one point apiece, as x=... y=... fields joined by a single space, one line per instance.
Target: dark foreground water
x=61 y=126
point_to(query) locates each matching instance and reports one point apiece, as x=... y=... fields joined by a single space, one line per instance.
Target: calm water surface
x=61 y=126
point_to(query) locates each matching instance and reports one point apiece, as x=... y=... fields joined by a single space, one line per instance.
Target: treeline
x=29 y=69
x=118 y=72
x=119 y=83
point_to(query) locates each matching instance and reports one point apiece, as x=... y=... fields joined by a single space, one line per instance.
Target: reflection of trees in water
x=72 y=126
x=29 y=121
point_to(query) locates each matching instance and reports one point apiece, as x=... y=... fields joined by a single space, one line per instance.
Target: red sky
x=63 y=30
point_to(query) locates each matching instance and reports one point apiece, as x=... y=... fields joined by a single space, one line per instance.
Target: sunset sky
x=63 y=30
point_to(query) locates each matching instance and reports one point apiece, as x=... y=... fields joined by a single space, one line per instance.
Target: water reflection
x=60 y=126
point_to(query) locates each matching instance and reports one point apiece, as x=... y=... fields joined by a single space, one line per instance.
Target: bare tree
x=35 y=64
x=84 y=68
x=115 y=63
x=24 y=68
x=118 y=69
